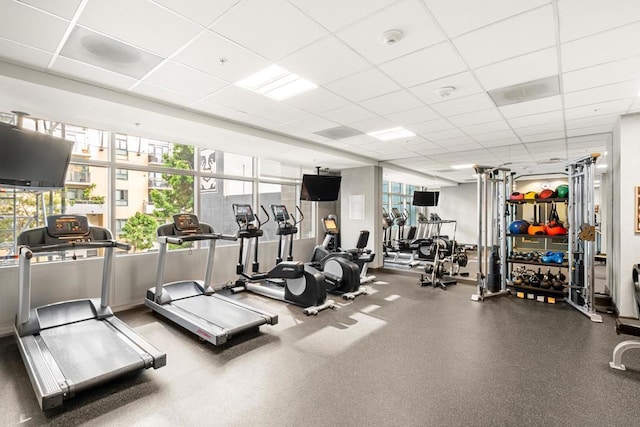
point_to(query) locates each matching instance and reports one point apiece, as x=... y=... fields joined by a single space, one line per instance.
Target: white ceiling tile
x=81 y=71
x=521 y=69
x=335 y=14
x=359 y=140
x=476 y=117
x=543 y=105
x=498 y=142
x=238 y=62
x=432 y=149
x=618 y=106
x=64 y=9
x=443 y=134
x=604 y=47
x=318 y=100
x=408 y=16
x=464 y=83
x=515 y=36
x=272 y=28
x=163 y=94
x=364 y=85
x=191 y=82
x=608 y=120
x=430 y=126
x=348 y=114
x=372 y=125
x=468 y=104
x=628 y=90
x=551 y=117
x=392 y=103
x=204 y=12
x=461 y=16
x=22 y=54
x=463 y=143
x=19 y=23
x=483 y=128
x=590 y=130
x=416 y=115
x=281 y=113
x=542 y=136
x=579 y=18
x=540 y=128
x=600 y=75
x=324 y=61
x=425 y=65
x=239 y=99
x=140 y=23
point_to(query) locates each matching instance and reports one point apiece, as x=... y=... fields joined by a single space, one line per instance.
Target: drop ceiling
x=186 y=57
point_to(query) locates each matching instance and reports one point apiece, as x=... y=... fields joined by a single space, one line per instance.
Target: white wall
x=132 y=276
x=367 y=182
x=623 y=244
x=460 y=204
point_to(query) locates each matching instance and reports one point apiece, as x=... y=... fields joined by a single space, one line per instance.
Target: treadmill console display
x=187 y=223
x=244 y=213
x=67 y=226
x=280 y=213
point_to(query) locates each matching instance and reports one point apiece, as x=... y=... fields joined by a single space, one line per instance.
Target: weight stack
x=493 y=277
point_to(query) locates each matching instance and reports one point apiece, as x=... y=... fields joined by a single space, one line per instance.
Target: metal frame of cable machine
x=581 y=218
x=493 y=186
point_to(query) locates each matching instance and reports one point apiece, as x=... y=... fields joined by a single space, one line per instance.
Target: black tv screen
x=426 y=198
x=320 y=188
x=31 y=159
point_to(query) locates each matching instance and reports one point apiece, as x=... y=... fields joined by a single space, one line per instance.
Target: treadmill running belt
x=89 y=349
x=221 y=313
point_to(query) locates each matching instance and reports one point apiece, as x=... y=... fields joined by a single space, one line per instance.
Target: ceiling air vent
x=339 y=132
x=524 y=92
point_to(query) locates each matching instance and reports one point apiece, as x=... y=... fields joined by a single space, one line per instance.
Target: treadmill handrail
x=59 y=247
x=179 y=240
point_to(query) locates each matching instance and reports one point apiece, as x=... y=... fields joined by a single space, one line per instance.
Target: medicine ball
x=546 y=194
x=519 y=226
x=556 y=229
x=562 y=191
x=531 y=195
x=516 y=196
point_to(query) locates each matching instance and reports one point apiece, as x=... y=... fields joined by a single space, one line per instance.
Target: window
x=238 y=165
x=122 y=145
x=119 y=224
x=216 y=207
x=122 y=174
x=122 y=197
x=276 y=194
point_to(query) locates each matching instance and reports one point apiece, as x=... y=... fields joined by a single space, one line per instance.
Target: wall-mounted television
x=31 y=159
x=426 y=198
x=320 y=188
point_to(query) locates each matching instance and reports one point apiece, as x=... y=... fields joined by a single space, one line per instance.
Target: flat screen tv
x=320 y=188
x=31 y=159
x=426 y=198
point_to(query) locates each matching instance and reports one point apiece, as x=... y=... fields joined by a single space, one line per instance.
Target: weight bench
x=627 y=326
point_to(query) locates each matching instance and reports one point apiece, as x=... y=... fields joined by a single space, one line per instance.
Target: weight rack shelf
x=541 y=264
x=551 y=291
x=538 y=236
x=550 y=200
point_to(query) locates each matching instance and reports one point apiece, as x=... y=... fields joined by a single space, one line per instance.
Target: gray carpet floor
x=403 y=356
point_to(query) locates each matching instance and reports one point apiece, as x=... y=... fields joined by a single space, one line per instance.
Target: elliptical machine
x=342 y=273
x=289 y=281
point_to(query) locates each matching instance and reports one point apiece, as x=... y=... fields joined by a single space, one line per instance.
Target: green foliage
x=140 y=231
x=179 y=196
x=88 y=197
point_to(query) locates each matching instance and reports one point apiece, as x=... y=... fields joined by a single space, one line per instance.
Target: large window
x=131 y=184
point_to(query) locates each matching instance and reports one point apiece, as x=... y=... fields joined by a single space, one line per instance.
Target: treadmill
x=70 y=346
x=193 y=304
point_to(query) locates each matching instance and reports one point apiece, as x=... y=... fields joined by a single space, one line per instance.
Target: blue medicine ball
x=519 y=226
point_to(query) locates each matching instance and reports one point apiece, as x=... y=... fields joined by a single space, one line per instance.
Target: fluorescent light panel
x=465 y=166
x=276 y=83
x=393 y=133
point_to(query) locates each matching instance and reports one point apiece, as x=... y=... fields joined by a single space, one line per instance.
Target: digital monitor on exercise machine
x=330 y=225
x=426 y=198
x=320 y=188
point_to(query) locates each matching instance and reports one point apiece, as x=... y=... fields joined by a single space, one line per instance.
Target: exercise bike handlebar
x=300 y=215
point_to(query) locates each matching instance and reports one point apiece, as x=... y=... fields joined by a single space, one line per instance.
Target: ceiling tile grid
x=432 y=81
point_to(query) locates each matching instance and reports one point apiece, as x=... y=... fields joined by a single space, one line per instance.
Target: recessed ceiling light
x=393 y=133
x=465 y=166
x=276 y=83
